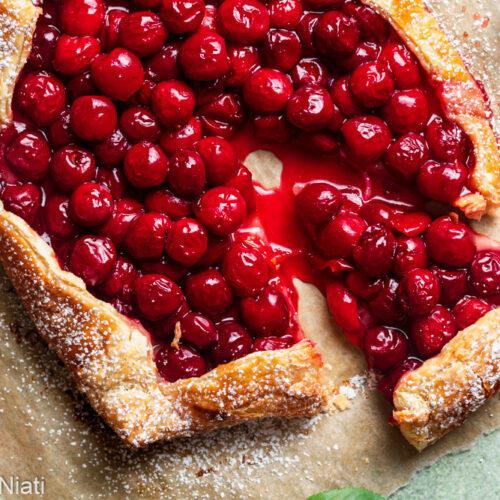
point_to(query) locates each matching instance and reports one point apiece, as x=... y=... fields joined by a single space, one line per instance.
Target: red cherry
x=165 y=202
x=282 y=49
x=336 y=35
x=374 y=252
x=309 y=71
x=385 y=305
x=410 y=254
x=24 y=200
x=485 y=273
x=411 y=223
x=245 y=270
x=122 y=279
x=112 y=150
x=266 y=314
x=367 y=137
x=41 y=96
x=145 y=165
x=28 y=156
x=310 y=108
x=385 y=347
x=406 y=111
x=146 y=234
x=446 y=140
x=221 y=210
x=442 y=181
x=216 y=249
x=343 y=305
x=93 y=259
x=198 y=331
x=186 y=174
x=113 y=179
x=285 y=14
x=273 y=128
x=233 y=342
x=180 y=362
x=157 y=297
x=242 y=181
x=243 y=21
x=125 y=211
x=450 y=242
x=338 y=237
x=223 y=114
x=371 y=25
x=82 y=17
x=110 y=32
x=405 y=155
x=318 y=202
x=389 y=382
x=433 y=331
x=468 y=310
x=371 y=84
x=72 y=166
x=73 y=55
x=60 y=133
x=186 y=242
x=79 y=85
x=220 y=159
x=57 y=216
x=168 y=268
x=418 y=292
x=244 y=61
x=43 y=47
x=118 y=74
x=139 y=124
x=305 y=29
x=267 y=91
x=402 y=64
x=143 y=33
x=344 y=99
x=377 y=212
x=93 y=118
x=366 y=52
x=204 y=57
x=184 y=138
x=208 y=292
x=453 y=284
x=91 y=204
x=180 y=16
x=164 y=65
x=173 y=103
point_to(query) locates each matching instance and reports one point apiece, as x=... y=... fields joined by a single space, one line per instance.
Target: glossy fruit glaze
x=131 y=123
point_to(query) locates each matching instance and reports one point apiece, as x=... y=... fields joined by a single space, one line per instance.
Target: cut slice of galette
x=162 y=275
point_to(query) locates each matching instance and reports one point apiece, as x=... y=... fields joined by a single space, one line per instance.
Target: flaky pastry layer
x=439 y=395
x=17 y=25
x=110 y=357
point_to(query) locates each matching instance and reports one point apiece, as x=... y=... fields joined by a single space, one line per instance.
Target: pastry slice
x=162 y=275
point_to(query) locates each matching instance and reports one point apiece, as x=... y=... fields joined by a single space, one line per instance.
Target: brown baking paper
x=49 y=430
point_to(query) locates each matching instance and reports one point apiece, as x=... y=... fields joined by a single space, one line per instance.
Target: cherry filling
x=131 y=122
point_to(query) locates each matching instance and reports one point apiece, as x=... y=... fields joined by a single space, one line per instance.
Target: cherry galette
x=131 y=122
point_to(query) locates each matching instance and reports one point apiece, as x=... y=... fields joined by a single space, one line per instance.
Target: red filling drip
x=131 y=122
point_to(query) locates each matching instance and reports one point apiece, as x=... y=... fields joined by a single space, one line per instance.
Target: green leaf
x=347 y=494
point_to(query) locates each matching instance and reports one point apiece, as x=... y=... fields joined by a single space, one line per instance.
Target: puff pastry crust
x=439 y=395
x=110 y=356
x=17 y=24
x=461 y=98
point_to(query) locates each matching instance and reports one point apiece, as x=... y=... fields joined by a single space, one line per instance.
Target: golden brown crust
x=110 y=357
x=460 y=96
x=17 y=24
x=440 y=394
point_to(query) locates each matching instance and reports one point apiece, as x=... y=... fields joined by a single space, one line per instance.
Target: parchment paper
x=49 y=430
